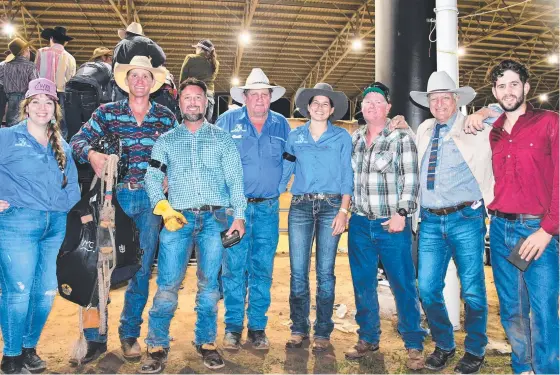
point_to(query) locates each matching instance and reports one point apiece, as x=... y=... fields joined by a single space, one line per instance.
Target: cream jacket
x=475 y=149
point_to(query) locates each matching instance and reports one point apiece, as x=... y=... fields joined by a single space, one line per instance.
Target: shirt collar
x=449 y=122
x=499 y=123
x=245 y=116
x=183 y=127
x=385 y=132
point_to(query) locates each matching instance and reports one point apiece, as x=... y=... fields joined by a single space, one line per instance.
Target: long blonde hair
x=53 y=130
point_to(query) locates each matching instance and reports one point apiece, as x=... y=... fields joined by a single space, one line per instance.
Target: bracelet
x=344 y=210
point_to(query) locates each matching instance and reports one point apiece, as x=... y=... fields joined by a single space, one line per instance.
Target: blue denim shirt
x=454 y=182
x=261 y=153
x=29 y=173
x=324 y=166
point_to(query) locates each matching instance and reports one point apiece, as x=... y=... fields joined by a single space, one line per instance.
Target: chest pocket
x=209 y=154
x=276 y=147
x=382 y=162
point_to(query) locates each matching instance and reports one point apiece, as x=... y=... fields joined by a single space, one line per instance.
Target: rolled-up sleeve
x=233 y=173
x=346 y=187
x=288 y=166
x=89 y=131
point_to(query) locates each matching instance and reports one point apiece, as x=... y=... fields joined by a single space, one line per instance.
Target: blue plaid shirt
x=203 y=168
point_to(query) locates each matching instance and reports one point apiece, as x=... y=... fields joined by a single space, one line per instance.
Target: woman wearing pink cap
x=39 y=186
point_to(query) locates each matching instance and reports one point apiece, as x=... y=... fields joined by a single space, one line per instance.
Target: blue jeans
x=135 y=204
x=29 y=244
x=254 y=256
x=175 y=248
x=12 y=115
x=459 y=235
x=309 y=219
x=367 y=242
x=534 y=337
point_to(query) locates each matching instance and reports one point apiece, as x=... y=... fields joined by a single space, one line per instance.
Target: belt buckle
x=129 y=186
x=372 y=216
x=321 y=196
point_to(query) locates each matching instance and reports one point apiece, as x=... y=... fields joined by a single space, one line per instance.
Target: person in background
x=39 y=186
x=167 y=96
x=203 y=65
x=16 y=75
x=135 y=43
x=56 y=64
x=319 y=155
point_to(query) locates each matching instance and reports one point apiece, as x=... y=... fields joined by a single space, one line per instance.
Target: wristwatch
x=402 y=212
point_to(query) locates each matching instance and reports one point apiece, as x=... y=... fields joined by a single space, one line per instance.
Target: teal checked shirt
x=203 y=168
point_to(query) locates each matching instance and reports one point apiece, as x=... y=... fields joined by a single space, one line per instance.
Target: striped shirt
x=203 y=168
x=137 y=140
x=16 y=74
x=56 y=64
x=385 y=173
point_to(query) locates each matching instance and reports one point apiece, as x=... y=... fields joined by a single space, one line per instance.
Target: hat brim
x=339 y=99
x=49 y=33
x=466 y=95
x=96 y=55
x=121 y=70
x=237 y=92
x=122 y=33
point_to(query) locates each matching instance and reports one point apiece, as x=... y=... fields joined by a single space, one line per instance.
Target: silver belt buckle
x=372 y=217
x=128 y=186
x=320 y=196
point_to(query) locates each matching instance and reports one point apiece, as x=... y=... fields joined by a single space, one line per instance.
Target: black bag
x=76 y=265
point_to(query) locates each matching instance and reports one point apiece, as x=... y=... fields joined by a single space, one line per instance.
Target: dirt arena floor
x=62 y=329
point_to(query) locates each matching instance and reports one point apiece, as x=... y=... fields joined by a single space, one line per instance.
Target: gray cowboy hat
x=339 y=99
x=442 y=82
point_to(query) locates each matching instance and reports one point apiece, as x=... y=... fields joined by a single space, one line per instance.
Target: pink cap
x=42 y=86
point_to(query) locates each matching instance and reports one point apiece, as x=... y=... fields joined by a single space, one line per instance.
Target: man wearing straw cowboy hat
x=260 y=136
x=56 y=64
x=456 y=182
x=138 y=123
x=90 y=87
x=135 y=43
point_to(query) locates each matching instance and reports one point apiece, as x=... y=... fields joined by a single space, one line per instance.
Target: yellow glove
x=172 y=219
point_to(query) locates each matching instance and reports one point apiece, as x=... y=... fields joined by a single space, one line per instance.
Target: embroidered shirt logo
x=238 y=129
x=22 y=143
x=301 y=139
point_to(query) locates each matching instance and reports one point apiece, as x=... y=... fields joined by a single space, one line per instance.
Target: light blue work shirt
x=261 y=153
x=322 y=166
x=454 y=183
x=29 y=173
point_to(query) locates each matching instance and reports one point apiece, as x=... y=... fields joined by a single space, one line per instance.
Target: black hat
x=59 y=33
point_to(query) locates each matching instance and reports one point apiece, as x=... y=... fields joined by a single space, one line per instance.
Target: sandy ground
x=62 y=329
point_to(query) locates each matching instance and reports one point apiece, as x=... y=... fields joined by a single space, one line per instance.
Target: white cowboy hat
x=442 y=82
x=256 y=80
x=339 y=99
x=139 y=62
x=133 y=28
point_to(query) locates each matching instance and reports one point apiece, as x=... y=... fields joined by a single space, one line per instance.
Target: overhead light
x=553 y=58
x=245 y=37
x=460 y=51
x=9 y=29
x=235 y=81
x=543 y=97
x=357 y=44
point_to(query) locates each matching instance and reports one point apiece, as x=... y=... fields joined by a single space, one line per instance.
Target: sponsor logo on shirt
x=238 y=129
x=301 y=139
x=22 y=142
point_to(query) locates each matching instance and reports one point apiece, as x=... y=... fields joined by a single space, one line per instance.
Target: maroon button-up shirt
x=525 y=165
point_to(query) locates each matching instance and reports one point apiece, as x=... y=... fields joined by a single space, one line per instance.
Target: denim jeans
x=135 y=204
x=528 y=300
x=12 y=115
x=29 y=244
x=309 y=219
x=459 y=235
x=367 y=242
x=254 y=256
x=175 y=247
x=80 y=100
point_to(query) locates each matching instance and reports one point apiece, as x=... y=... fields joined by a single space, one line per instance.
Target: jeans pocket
x=532 y=225
x=469 y=213
x=220 y=216
x=334 y=202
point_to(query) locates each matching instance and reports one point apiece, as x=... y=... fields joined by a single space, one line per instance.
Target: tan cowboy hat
x=339 y=99
x=139 y=62
x=256 y=80
x=442 y=82
x=101 y=51
x=133 y=28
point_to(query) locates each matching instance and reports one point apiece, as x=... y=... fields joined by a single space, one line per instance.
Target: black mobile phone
x=234 y=239
x=515 y=259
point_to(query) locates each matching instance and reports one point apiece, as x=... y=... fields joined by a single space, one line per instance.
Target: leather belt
x=514 y=217
x=449 y=210
x=258 y=200
x=319 y=196
x=205 y=208
x=132 y=185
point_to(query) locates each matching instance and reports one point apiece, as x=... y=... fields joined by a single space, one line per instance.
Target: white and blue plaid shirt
x=203 y=168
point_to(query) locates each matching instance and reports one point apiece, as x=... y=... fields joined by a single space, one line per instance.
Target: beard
x=192 y=117
x=520 y=100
